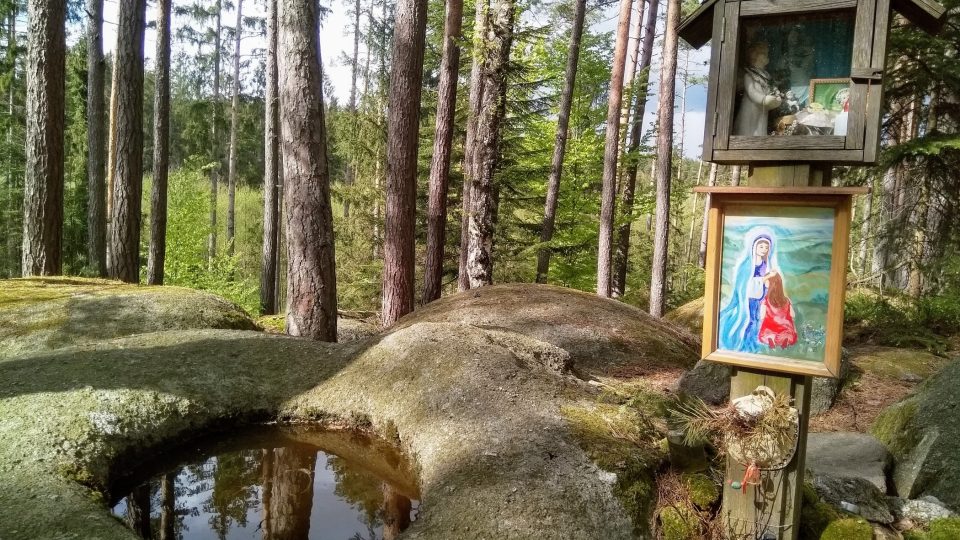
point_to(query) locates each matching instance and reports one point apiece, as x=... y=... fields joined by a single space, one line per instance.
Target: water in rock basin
x=272 y=484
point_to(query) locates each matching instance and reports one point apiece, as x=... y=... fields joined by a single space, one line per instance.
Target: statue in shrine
x=759 y=95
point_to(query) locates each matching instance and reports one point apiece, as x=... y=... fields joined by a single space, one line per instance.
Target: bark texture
x=403 y=123
x=161 y=147
x=629 y=183
x=476 y=92
x=496 y=49
x=311 y=271
x=271 y=173
x=96 y=138
x=234 y=125
x=43 y=182
x=611 y=150
x=442 y=147
x=128 y=170
x=288 y=492
x=668 y=75
x=560 y=141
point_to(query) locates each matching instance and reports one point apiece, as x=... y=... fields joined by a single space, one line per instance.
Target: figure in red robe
x=777 y=328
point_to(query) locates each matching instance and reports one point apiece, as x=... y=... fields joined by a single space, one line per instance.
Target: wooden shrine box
x=797 y=80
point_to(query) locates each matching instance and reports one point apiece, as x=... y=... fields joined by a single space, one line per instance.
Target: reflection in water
x=276 y=486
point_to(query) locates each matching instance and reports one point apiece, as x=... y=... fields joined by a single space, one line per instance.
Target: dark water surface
x=272 y=484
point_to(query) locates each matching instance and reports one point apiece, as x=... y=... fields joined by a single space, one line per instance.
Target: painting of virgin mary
x=740 y=317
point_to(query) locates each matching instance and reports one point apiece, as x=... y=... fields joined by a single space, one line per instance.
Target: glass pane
x=793 y=75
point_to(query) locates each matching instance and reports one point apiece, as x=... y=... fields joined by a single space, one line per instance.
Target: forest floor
x=528 y=411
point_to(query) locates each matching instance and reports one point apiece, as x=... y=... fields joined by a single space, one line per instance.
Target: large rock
x=842 y=491
x=603 y=336
x=920 y=512
x=849 y=454
x=48 y=313
x=689 y=315
x=709 y=381
x=507 y=443
x=922 y=433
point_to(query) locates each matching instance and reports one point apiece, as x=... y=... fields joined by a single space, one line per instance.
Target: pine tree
x=96 y=128
x=161 y=147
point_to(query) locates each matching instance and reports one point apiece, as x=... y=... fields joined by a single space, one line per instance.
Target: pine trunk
x=611 y=150
x=711 y=181
x=664 y=158
x=168 y=509
x=629 y=185
x=560 y=142
x=496 y=48
x=234 y=126
x=288 y=492
x=403 y=123
x=128 y=170
x=311 y=273
x=442 y=148
x=865 y=228
x=96 y=124
x=271 y=170
x=161 y=148
x=215 y=139
x=43 y=183
x=476 y=92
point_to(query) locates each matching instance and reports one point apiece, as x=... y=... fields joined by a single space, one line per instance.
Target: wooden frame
x=721 y=202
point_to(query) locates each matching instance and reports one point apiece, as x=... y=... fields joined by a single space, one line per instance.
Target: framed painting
x=775 y=279
x=829 y=94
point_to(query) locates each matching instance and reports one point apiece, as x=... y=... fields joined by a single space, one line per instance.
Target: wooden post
x=772 y=509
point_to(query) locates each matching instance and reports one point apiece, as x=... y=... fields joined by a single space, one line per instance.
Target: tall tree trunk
x=288 y=493
x=668 y=75
x=351 y=167
x=161 y=148
x=215 y=138
x=629 y=185
x=711 y=181
x=693 y=219
x=234 y=126
x=128 y=170
x=96 y=124
x=311 y=274
x=138 y=510
x=496 y=47
x=611 y=150
x=865 y=228
x=271 y=173
x=918 y=253
x=560 y=141
x=403 y=123
x=629 y=78
x=13 y=240
x=43 y=183
x=735 y=174
x=882 y=235
x=476 y=93
x=442 y=147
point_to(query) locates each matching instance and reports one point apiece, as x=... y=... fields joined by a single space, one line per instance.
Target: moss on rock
x=702 y=489
x=679 y=523
x=689 y=315
x=48 y=313
x=815 y=515
x=848 y=529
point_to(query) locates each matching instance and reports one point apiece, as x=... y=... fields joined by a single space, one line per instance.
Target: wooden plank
x=695 y=29
x=786 y=142
x=753 y=8
x=862 y=58
x=838 y=286
x=874 y=103
x=711 y=293
x=878 y=58
x=779 y=364
x=787 y=190
x=711 y=110
x=746 y=156
x=727 y=80
x=926 y=14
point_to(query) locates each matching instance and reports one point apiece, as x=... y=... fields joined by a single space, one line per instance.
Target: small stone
x=735 y=485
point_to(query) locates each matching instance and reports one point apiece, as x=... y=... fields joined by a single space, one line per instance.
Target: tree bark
x=560 y=141
x=271 y=170
x=664 y=157
x=442 y=147
x=403 y=123
x=43 y=183
x=882 y=236
x=96 y=124
x=311 y=273
x=161 y=147
x=288 y=493
x=629 y=78
x=476 y=92
x=128 y=170
x=629 y=185
x=711 y=181
x=168 y=509
x=234 y=126
x=865 y=232
x=14 y=242
x=496 y=47
x=215 y=138
x=611 y=150
x=356 y=55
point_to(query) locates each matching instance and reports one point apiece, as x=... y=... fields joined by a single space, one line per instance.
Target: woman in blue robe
x=740 y=318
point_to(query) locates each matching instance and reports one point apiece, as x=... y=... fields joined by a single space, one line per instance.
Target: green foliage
x=945 y=529
x=234 y=277
x=703 y=491
x=901 y=321
x=815 y=515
